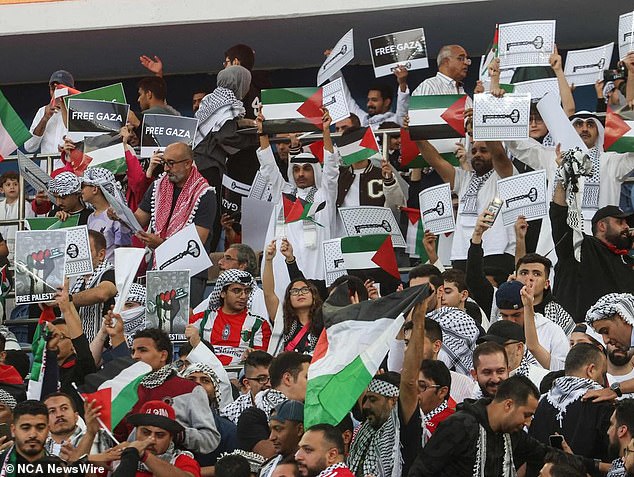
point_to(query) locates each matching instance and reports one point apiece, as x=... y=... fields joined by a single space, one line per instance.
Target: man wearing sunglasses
x=228 y=323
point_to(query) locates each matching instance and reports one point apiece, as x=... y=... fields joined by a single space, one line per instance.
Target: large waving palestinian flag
x=350 y=349
x=288 y=110
x=437 y=116
x=13 y=132
x=619 y=131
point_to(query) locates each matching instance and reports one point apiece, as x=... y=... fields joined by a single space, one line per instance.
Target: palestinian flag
x=366 y=254
x=415 y=233
x=437 y=116
x=411 y=157
x=13 y=132
x=492 y=53
x=110 y=155
x=43 y=379
x=115 y=388
x=111 y=93
x=51 y=223
x=289 y=110
x=63 y=91
x=317 y=150
x=357 y=145
x=303 y=210
x=350 y=350
x=619 y=131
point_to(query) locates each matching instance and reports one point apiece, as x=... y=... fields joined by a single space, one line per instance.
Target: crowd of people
x=518 y=362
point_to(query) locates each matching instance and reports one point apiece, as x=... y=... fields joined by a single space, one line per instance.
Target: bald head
x=453 y=62
x=178 y=162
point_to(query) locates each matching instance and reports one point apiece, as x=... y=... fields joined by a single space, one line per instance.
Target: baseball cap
x=62 y=77
x=502 y=331
x=610 y=211
x=289 y=410
x=156 y=413
x=508 y=296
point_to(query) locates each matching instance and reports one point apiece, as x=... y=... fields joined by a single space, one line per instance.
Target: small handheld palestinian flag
x=289 y=110
x=357 y=145
x=44 y=376
x=411 y=157
x=301 y=209
x=619 y=131
x=370 y=256
x=13 y=132
x=491 y=55
x=437 y=116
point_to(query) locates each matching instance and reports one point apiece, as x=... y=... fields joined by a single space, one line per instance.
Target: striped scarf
x=508 y=468
x=425 y=418
x=470 y=198
x=9 y=463
x=567 y=390
x=91 y=314
x=591 y=185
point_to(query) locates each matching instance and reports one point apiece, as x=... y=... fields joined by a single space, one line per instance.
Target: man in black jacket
x=598 y=264
x=486 y=438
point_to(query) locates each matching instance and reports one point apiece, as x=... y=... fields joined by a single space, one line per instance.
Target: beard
x=619 y=240
x=619 y=359
x=614 y=450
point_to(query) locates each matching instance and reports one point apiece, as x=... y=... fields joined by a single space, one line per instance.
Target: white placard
x=126 y=264
x=183 y=251
x=260 y=188
x=340 y=56
x=369 y=220
x=626 y=34
x=78 y=258
x=334 y=100
x=558 y=124
x=121 y=209
x=406 y=49
x=436 y=209
x=585 y=67
x=526 y=43
x=333 y=260
x=256 y=215
x=501 y=119
x=537 y=88
x=34 y=175
x=523 y=194
x=506 y=74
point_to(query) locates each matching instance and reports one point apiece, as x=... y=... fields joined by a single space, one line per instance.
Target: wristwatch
x=616 y=387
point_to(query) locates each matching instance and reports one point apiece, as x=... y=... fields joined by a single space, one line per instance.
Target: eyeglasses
x=299 y=291
x=171 y=164
x=463 y=59
x=423 y=386
x=536 y=119
x=229 y=257
x=260 y=379
x=240 y=291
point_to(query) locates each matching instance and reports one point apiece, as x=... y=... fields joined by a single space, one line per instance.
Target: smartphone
x=556 y=441
x=5 y=430
x=494 y=208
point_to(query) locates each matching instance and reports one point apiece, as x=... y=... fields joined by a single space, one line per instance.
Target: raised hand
x=286 y=249
x=154 y=65
x=521 y=227
x=555 y=60
x=270 y=251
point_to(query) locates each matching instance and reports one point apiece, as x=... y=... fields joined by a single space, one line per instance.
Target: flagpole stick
x=101 y=423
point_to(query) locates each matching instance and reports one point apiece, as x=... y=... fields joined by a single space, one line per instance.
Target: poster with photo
x=167 y=301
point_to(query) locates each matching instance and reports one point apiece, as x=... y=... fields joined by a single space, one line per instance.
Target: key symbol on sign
x=538 y=42
x=439 y=209
x=627 y=34
x=331 y=58
x=192 y=249
x=532 y=196
x=333 y=100
x=338 y=262
x=235 y=186
x=514 y=116
x=383 y=225
x=407 y=66
x=599 y=66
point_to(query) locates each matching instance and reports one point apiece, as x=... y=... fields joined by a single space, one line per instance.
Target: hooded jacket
x=451 y=451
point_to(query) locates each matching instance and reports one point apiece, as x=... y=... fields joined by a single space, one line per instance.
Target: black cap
x=502 y=331
x=508 y=296
x=610 y=211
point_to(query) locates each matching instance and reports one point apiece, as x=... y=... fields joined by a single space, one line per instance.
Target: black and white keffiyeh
x=255 y=460
x=209 y=371
x=556 y=313
x=158 y=377
x=295 y=328
x=65 y=183
x=99 y=176
x=470 y=198
x=219 y=106
x=377 y=451
x=425 y=418
x=382 y=387
x=234 y=410
x=268 y=399
x=459 y=335
x=137 y=294
x=617 y=469
x=508 y=467
x=607 y=306
x=566 y=390
x=91 y=314
x=226 y=278
x=7 y=399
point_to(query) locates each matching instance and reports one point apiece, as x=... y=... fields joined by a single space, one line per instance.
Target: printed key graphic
x=331 y=58
x=514 y=116
x=538 y=42
x=627 y=34
x=598 y=65
x=384 y=225
x=333 y=100
x=192 y=249
x=439 y=209
x=235 y=186
x=338 y=262
x=532 y=196
x=407 y=66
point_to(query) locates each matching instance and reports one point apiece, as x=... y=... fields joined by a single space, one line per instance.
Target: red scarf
x=165 y=225
x=617 y=251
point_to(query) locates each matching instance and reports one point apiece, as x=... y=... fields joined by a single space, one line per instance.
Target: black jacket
x=580 y=285
x=451 y=451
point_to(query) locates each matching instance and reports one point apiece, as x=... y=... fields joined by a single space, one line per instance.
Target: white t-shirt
x=554 y=339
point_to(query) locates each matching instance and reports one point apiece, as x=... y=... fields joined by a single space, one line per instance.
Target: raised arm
x=444 y=169
x=565 y=91
x=268 y=166
x=541 y=354
x=521 y=227
x=501 y=162
x=629 y=86
x=479 y=287
x=268 y=281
